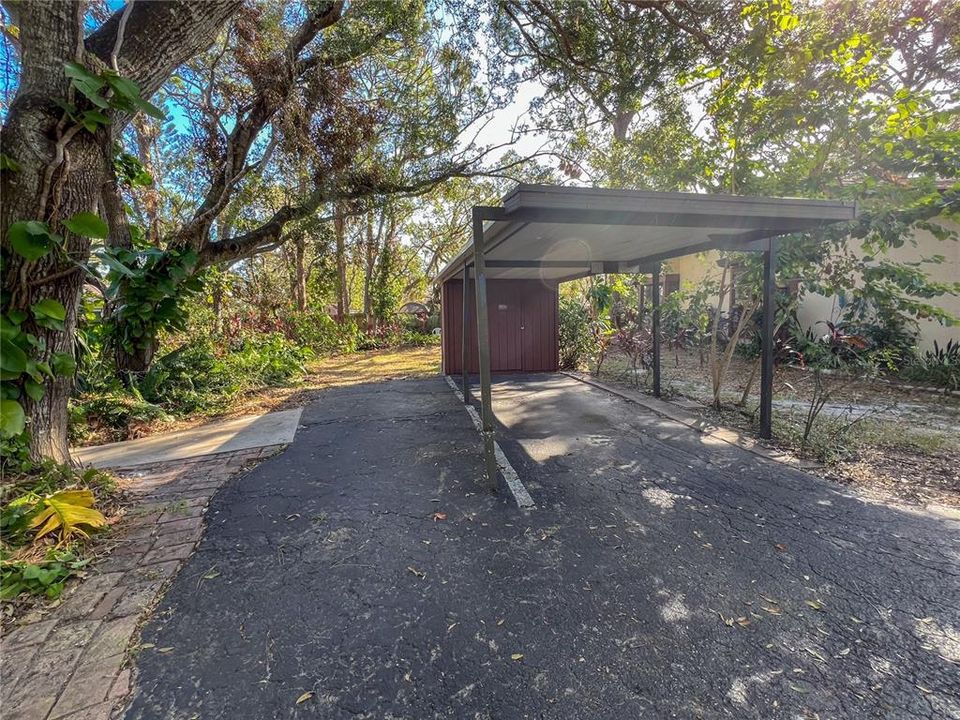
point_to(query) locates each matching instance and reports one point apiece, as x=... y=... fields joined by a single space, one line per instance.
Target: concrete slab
x=276 y=428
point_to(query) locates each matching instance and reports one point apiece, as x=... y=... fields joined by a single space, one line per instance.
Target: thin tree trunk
x=343 y=300
x=300 y=272
x=370 y=259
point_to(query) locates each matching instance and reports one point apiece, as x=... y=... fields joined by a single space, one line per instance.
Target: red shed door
x=505 y=303
x=539 y=328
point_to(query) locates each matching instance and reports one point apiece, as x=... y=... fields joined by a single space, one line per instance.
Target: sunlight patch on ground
x=945 y=640
x=659 y=497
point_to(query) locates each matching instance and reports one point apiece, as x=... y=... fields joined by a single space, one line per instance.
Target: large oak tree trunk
x=62 y=169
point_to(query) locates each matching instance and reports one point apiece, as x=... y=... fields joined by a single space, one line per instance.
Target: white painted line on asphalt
x=517 y=489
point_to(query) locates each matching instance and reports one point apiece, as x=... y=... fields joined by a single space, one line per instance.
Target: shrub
x=321 y=333
x=939 y=367
x=187 y=378
x=118 y=413
x=261 y=360
x=45 y=577
x=43 y=504
x=575 y=336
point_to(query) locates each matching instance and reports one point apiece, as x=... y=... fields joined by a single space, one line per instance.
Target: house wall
x=523 y=320
x=816 y=308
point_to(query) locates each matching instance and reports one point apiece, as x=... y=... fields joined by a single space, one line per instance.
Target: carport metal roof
x=562 y=233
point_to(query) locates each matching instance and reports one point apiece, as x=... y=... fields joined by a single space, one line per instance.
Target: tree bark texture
x=62 y=168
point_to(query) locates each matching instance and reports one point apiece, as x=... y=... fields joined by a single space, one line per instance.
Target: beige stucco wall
x=815 y=308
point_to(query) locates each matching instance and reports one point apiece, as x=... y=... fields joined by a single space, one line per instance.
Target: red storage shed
x=523 y=317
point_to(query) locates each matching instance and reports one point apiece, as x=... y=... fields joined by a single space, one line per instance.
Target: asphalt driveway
x=364 y=574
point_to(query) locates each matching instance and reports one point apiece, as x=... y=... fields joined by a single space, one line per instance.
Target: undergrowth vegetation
x=49 y=514
x=200 y=373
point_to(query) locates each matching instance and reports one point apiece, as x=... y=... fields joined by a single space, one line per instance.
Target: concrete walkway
x=361 y=573
x=221 y=436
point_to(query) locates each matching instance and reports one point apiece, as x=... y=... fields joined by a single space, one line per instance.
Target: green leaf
x=93 y=119
x=123 y=86
x=130 y=91
x=87 y=224
x=48 y=307
x=33 y=389
x=30 y=239
x=8 y=329
x=150 y=109
x=12 y=419
x=86 y=83
x=12 y=358
x=49 y=313
x=63 y=364
x=8 y=163
x=114 y=264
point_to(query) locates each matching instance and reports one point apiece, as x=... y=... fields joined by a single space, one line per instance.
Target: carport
x=543 y=235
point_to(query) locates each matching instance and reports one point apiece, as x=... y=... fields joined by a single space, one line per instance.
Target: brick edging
x=73 y=664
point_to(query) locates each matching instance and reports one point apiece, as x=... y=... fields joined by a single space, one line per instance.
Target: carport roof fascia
x=613 y=220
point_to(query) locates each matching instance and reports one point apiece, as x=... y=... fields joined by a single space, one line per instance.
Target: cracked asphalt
x=364 y=573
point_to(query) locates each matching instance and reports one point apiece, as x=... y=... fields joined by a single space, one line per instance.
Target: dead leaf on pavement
x=517 y=656
x=780 y=547
x=306 y=696
x=165 y=649
x=419 y=573
x=815 y=604
x=437 y=516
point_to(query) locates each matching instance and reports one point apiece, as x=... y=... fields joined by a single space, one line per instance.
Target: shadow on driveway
x=659 y=576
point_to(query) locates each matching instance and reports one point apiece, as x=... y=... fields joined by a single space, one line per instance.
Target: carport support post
x=465 y=337
x=655 y=297
x=483 y=347
x=766 y=337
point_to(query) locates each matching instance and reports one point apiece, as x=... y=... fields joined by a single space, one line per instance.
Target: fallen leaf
x=425 y=542
x=451 y=627
x=303 y=698
x=500 y=622
x=437 y=516
x=780 y=547
x=517 y=656
x=294 y=516
x=165 y=649
x=797 y=688
x=771 y=610
x=815 y=604
x=419 y=573
x=147 y=646
x=815 y=654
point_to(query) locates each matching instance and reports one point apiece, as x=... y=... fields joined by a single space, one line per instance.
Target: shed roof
x=560 y=233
